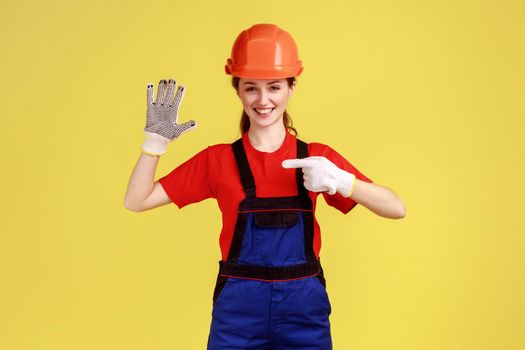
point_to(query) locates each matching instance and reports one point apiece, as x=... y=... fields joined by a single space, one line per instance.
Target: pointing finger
x=296 y=163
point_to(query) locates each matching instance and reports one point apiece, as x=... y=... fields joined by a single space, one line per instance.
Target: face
x=264 y=100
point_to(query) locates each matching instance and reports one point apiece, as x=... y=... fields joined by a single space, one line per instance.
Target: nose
x=262 y=98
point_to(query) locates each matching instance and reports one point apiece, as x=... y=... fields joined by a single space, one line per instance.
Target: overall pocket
x=277 y=238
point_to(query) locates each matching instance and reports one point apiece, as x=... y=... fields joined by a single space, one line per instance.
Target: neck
x=267 y=139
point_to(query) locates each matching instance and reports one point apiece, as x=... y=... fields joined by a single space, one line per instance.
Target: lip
x=264 y=115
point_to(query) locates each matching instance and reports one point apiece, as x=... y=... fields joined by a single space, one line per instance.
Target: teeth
x=263 y=111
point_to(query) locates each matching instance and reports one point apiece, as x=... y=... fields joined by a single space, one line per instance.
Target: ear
x=292 y=88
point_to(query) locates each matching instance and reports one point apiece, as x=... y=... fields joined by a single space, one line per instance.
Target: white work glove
x=321 y=175
x=161 y=118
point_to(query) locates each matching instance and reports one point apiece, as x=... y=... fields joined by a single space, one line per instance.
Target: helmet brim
x=264 y=73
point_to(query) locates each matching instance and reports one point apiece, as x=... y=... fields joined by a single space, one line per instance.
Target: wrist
x=346 y=183
x=155 y=144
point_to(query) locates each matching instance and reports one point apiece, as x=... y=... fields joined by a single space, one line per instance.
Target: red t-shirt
x=213 y=173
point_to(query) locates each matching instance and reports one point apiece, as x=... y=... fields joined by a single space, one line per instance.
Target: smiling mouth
x=264 y=111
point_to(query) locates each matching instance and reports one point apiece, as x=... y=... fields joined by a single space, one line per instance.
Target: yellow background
x=424 y=97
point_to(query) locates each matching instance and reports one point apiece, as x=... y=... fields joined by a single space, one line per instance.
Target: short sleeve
x=189 y=182
x=343 y=204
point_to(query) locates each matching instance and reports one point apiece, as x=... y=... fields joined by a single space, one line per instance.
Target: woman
x=270 y=291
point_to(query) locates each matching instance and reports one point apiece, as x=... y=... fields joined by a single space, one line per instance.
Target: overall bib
x=270 y=292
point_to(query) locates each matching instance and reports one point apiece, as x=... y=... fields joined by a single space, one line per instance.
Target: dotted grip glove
x=161 y=118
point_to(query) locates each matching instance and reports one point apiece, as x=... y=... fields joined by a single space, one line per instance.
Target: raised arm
x=161 y=128
x=143 y=193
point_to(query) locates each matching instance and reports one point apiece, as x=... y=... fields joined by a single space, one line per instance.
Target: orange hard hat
x=264 y=51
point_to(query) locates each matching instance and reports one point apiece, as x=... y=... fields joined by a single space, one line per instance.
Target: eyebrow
x=271 y=82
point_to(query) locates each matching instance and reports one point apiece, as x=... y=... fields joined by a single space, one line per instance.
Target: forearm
x=141 y=181
x=379 y=199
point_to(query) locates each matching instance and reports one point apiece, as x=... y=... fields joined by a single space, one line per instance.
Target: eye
x=251 y=88
x=276 y=87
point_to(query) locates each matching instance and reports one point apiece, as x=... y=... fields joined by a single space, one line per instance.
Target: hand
x=321 y=175
x=162 y=117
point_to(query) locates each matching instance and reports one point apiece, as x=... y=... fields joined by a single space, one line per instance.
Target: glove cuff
x=155 y=144
x=346 y=184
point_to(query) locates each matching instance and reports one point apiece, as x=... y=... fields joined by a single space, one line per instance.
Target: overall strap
x=302 y=152
x=247 y=179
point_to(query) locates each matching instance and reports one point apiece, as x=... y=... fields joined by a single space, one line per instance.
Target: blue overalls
x=270 y=292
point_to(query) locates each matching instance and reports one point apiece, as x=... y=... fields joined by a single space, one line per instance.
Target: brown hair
x=245 y=120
